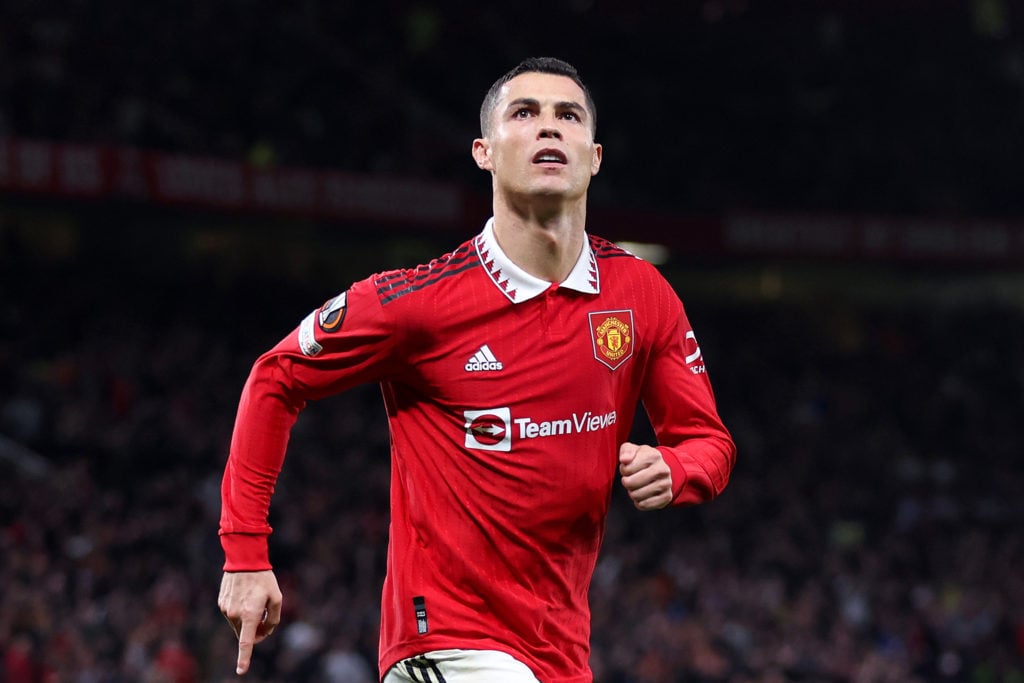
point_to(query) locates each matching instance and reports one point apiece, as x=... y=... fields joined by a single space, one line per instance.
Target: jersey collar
x=518 y=285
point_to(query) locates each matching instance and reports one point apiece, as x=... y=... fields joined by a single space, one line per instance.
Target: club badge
x=612 y=334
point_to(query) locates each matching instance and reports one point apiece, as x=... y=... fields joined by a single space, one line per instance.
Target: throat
x=546 y=253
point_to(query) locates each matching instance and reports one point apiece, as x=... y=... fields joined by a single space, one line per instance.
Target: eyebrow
x=562 y=106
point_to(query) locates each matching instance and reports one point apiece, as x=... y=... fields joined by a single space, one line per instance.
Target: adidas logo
x=483 y=360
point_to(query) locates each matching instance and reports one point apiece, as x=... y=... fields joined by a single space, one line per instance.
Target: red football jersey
x=507 y=399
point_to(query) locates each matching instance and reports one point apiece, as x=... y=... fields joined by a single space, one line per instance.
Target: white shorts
x=460 y=666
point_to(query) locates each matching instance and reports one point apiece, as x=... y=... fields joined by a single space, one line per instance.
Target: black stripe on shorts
x=428 y=670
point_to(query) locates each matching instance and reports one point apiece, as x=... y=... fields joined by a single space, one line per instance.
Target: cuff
x=245 y=552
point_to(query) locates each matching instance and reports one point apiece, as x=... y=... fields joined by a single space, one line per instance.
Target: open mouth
x=550 y=156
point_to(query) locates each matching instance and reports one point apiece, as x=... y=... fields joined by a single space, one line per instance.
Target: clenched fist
x=645 y=475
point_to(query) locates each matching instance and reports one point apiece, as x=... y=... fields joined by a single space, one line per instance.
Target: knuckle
x=251 y=614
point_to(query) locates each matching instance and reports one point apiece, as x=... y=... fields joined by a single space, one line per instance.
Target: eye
x=570 y=116
x=522 y=113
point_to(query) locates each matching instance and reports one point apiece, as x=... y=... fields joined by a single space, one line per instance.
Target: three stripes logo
x=422 y=670
x=483 y=360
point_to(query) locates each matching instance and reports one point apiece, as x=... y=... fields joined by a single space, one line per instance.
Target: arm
x=314 y=361
x=695 y=453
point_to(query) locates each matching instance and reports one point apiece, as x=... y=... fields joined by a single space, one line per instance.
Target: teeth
x=549 y=157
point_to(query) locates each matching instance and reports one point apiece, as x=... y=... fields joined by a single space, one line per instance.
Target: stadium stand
x=872 y=531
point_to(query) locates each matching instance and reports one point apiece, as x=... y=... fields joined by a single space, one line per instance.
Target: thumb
x=627 y=453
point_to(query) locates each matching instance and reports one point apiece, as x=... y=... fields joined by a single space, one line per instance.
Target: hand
x=251 y=602
x=645 y=475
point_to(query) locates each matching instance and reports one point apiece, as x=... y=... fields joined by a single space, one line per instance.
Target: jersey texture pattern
x=507 y=399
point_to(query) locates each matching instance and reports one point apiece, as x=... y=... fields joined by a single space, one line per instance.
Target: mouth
x=550 y=156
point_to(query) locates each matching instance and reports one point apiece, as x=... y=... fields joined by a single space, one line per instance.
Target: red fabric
x=501 y=478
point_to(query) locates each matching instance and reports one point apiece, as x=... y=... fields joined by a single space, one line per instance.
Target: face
x=540 y=142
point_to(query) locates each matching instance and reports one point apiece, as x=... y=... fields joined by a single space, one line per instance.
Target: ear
x=595 y=162
x=482 y=154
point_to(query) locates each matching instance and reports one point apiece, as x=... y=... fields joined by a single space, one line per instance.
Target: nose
x=549 y=132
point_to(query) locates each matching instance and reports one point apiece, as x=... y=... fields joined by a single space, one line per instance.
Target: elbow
x=727 y=461
x=272 y=379
x=706 y=468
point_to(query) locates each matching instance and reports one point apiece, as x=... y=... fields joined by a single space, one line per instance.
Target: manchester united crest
x=612 y=334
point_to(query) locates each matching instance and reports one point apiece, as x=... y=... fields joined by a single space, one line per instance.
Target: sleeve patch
x=307 y=340
x=694 y=359
x=332 y=313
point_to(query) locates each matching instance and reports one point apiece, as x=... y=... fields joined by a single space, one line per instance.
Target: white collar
x=520 y=286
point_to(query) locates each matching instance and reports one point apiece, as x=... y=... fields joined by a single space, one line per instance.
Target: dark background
x=871 y=532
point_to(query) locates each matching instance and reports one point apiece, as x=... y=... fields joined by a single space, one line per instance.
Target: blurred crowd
x=895 y=106
x=872 y=530
x=871 y=533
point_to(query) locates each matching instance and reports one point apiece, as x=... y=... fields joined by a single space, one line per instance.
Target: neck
x=544 y=241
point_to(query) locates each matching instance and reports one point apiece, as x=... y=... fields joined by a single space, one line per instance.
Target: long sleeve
x=680 y=403
x=329 y=352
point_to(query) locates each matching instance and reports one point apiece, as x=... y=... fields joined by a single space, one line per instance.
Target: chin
x=558 y=191
x=555 y=188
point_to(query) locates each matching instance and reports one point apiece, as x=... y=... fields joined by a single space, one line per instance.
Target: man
x=511 y=369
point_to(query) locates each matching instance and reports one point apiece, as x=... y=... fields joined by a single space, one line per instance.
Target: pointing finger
x=246 y=639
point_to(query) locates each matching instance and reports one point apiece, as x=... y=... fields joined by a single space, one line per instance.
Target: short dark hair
x=543 y=65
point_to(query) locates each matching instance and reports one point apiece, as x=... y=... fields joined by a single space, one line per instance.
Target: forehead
x=543 y=88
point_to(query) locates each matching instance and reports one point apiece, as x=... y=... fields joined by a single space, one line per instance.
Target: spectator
x=871 y=534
